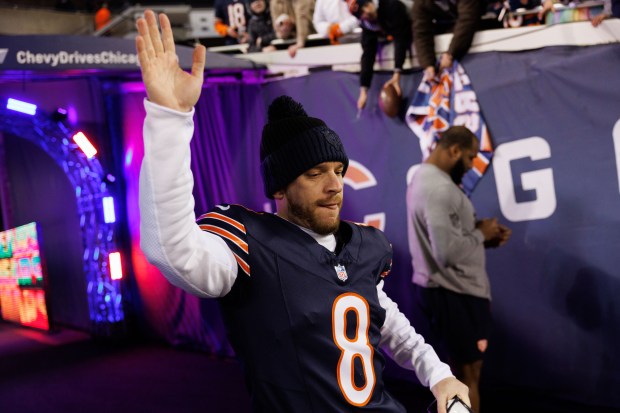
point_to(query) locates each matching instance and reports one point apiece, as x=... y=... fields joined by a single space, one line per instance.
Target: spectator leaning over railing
x=432 y=17
x=611 y=8
x=300 y=11
x=260 y=28
x=332 y=19
x=381 y=17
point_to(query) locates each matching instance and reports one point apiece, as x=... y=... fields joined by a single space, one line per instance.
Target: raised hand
x=166 y=83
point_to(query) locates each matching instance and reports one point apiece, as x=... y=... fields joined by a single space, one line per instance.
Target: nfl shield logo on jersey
x=341 y=272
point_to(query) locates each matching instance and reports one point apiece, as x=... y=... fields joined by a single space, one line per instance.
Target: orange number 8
x=357 y=347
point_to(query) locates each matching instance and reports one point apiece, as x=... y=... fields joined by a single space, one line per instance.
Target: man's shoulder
x=368 y=233
x=428 y=175
x=235 y=212
x=234 y=208
x=428 y=181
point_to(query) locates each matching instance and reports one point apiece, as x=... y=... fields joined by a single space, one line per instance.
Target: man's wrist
x=479 y=235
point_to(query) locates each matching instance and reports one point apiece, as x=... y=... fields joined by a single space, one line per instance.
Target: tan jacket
x=300 y=11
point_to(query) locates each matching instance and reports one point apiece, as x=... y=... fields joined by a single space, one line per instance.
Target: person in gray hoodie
x=447 y=243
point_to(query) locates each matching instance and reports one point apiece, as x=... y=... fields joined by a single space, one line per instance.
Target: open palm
x=166 y=83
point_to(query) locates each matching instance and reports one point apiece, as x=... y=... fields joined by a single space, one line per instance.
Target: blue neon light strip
x=109 y=216
x=23 y=107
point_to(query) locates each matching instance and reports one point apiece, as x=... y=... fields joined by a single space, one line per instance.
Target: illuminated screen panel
x=22 y=294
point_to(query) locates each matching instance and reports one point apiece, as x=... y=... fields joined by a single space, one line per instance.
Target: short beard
x=457 y=172
x=304 y=215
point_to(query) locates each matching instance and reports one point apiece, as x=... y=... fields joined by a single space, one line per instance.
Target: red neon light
x=84 y=144
x=116 y=269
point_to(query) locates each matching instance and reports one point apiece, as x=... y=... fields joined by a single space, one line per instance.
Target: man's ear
x=278 y=195
x=455 y=151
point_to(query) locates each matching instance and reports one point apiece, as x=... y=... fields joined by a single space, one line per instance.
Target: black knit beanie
x=293 y=142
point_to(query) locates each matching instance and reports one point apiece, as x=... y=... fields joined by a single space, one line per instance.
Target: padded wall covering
x=554 y=181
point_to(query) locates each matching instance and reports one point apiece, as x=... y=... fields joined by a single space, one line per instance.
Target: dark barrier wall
x=555 y=119
x=554 y=181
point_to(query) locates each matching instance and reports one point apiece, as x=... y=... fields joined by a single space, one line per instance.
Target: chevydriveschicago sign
x=43 y=53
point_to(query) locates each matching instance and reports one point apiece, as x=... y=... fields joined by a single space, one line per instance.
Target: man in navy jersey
x=301 y=291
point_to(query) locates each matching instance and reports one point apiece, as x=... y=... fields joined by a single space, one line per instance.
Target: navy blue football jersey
x=233 y=13
x=305 y=322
